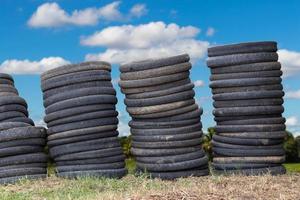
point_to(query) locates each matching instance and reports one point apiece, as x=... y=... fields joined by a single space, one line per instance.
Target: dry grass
x=138 y=188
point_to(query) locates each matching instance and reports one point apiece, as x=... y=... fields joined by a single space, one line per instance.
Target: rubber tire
x=259 y=74
x=115 y=173
x=248 y=95
x=248 y=103
x=247 y=89
x=87 y=167
x=245 y=141
x=253 y=110
x=163 y=152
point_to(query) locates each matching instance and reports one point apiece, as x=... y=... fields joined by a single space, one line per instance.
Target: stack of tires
x=248 y=98
x=82 y=120
x=21 y=144
x=165 y=126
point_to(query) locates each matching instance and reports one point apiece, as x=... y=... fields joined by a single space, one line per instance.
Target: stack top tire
x=71 y=68
x=246 y=47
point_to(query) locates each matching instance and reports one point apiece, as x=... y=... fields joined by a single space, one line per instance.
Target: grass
x=139 y=187
x=292 y=167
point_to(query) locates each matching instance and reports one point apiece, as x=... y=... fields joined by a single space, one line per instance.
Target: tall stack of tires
x=165 y=126
x=82 y=121
x=248 y=98
x=21 y=144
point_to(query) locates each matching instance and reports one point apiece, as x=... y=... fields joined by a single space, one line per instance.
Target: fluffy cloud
x=31 y=67
x=292 y=121
x=52 y=15
x=293 y=94
x=199 y=83
x=210 y=31
x=290 y=61
x=155 y=39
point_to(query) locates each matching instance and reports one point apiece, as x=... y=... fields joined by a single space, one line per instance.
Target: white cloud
x=293 y=94
x=31 y=67
x=123 y=128
x=210 y=31
x=292 y=121
x=155 y=39
x=199 y=83
x=40 y=122
x=52 y=15
x=290 y=61
x=138 y=10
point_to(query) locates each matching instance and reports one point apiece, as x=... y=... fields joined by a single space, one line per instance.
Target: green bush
x=126 y=145
x=291 y=148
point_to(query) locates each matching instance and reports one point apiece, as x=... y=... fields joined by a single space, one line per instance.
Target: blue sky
x=37 y=35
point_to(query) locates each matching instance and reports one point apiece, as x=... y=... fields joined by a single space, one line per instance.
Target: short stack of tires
x=82 y=121
x=248 y=98
x=21 y=144
x=165 y=126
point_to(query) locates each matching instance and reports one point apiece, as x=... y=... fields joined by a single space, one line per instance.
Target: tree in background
x=207 y=145
x=291 y=148
x=126 y=145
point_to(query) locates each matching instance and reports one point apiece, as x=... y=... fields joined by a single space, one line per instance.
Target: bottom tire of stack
x=169 y=149
x=22 y=152
x=87 y=148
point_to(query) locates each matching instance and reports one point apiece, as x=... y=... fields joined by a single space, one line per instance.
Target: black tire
x=22 y=172
x=154 y=63
x=163 y=152
x=253 y=110
x=24 y=159
x=11 y=114
x=156 y=72
x=63 y=89
x=21 y=133
x=249 y=95
x=81 y=101
x=101 y=160
x=67 y=69
x=160 y=100
x=77 y=110
x=278 y=170
x=148 y=82
x=245 y=82
x=239 y=59
x=87 y=167
x=9 y=89
x=24 y=142
x=244 y=117
x=245 y=147
x=83 y=124
x=258 y=74
x=171 y=159
x=247 y=47
x=180 y=174
x=20 y=119
x=158 y=93
x=23 y=166
x=100 y=154
x=188 y=113
x=148 y=110
x=15 y=108
x=256 y=135
x=167 y=131
x=166 y=138
x=247 y=89
x=113 y=173
x=12 y=180
x=167 y=145
x=86 y=137
x=7 y=100
x=264 y=160
x=12 y=151
x=239 y=166
x=79 y=93
x=72 y=76
x=6 y=76
x=258 y=121
x=84 y=146
x=248 y=102
x=52 y=85
x=85 y=116
x=167 y=167
x=82 y=132
x=248 y=152
x=245 y=141
x=169 y=124
x=249 y=128
x=6 y=82
x=9 y=125
x=156 y=88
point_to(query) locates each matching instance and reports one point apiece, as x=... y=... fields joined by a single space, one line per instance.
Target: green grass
x=292 y=167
